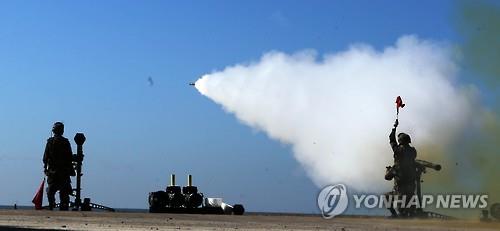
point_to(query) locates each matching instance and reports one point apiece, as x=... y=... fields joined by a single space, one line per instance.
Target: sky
x=88 y=63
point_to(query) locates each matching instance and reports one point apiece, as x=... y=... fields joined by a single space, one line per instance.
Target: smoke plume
x=478 y=24
x=336 y=111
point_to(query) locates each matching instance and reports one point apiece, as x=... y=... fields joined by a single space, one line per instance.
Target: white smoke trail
x=337 y=112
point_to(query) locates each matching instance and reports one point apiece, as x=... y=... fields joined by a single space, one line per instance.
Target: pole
x=172 y=180
x=190 y=180
x=79 y=140
x=78 y=199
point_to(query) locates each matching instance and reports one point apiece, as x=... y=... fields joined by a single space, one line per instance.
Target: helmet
x=404 y=138
x=58 y=128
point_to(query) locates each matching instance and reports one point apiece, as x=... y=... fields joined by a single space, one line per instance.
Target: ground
x=50 y=220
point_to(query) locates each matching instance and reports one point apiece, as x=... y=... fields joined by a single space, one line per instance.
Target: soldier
x=58 y=167
x=404 y=170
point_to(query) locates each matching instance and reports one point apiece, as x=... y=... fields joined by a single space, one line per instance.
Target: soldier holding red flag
x=403 y=171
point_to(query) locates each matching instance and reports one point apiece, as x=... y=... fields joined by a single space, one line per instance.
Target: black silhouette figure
x=403 y=171
x=58 y=167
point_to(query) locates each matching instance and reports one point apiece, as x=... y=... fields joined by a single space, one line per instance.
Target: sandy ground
x=50 y=220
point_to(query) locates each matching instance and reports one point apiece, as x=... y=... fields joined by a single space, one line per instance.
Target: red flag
x=38 y=199
x=399 y=103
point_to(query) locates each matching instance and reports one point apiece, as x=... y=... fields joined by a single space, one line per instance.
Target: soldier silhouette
x=403 y=171
x=58 y=167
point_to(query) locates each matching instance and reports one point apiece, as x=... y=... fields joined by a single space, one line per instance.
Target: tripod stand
x=77 y=161
x=421 y=167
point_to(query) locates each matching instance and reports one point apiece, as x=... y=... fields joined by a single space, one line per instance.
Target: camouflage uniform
x=58 y=166
x=404 y=170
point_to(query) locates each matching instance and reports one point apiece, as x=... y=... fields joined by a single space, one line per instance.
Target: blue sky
x=87 y=64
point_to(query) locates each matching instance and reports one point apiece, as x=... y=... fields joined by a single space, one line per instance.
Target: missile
x=191 y=84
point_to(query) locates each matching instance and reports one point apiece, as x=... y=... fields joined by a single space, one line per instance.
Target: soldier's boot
x=51 y=197
x=394 y=214
x=52 y=205
x=390 y=207
x=64 y=205
x=405 y=213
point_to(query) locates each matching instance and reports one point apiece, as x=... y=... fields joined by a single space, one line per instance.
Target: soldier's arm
x=46 y=155
x=392 y=140
x=68 y=158
x=69 y=152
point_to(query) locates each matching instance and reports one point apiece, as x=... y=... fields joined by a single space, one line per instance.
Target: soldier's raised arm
x=392 y=136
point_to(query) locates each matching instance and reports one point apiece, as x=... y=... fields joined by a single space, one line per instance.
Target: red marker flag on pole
x=38 y=199
x=399 y=104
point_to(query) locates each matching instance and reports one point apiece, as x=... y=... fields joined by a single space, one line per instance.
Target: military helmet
x=58 y=128
x=404 y=138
